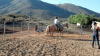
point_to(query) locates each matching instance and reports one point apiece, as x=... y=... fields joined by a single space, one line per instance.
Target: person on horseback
x=56 y=22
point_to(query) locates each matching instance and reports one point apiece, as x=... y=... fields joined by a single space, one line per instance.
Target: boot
x=98 y=47
x=92 y=46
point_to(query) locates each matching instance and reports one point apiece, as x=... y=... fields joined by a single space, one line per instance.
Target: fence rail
x=82 y=30
x=25 y=28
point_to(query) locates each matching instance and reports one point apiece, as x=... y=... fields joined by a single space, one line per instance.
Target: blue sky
x=93 y=5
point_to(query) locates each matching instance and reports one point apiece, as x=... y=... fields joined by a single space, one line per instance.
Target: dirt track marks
x=38 y=46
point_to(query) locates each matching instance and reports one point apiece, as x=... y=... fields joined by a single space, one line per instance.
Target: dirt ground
x=40 y=45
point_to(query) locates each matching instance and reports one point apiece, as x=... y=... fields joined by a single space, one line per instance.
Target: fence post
x=89 y=26
x=29 y=26
x=4 y=28
x=21 y=27
x=13 y=26
x=81 y=30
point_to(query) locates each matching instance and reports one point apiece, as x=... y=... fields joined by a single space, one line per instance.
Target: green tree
x=98 y=19
x=83 y=19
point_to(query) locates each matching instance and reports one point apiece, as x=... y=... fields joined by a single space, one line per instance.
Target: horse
x=98 y=24
x=51 y=28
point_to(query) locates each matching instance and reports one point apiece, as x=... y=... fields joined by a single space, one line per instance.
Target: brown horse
x=51 y=28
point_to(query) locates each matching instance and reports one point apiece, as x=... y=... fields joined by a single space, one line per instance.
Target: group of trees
x=17 y=16
x=83 y=19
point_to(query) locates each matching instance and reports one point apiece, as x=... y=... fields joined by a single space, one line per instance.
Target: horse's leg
x=52 y=33
x=46 y=34
x=61 y=34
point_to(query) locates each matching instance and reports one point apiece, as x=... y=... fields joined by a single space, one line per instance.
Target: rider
x=56 y=22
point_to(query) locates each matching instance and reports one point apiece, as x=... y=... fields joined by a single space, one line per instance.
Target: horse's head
x=93 y=24
x=65 y=25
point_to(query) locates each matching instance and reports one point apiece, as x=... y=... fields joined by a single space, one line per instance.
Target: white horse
x=98 y=24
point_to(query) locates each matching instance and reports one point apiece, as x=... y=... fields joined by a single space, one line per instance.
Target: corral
x=25 y=42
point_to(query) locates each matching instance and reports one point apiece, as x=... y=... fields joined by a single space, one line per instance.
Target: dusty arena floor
x=40 y=45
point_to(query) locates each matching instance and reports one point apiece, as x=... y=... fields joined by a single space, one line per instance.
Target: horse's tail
x=47 y=29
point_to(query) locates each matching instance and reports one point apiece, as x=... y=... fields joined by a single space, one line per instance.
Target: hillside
x=77 y=9
x=40 y=9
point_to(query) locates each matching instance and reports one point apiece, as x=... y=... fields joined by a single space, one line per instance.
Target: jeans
x=38 y=30
x=95 y=36
x=58 y=25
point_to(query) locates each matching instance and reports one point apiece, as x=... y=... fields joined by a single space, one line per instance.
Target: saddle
x=59 y=27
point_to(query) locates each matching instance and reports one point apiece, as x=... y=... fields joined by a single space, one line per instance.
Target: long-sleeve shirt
x=56 y=21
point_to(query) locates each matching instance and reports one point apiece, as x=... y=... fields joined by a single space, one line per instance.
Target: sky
x=93 y=5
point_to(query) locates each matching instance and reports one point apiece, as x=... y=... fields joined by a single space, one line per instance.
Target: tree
x=98 y=19
x=13 y=16
x=83 y=19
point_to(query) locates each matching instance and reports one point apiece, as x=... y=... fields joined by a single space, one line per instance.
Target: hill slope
x=77 y=9
x=39 y=9
x=36 y=8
